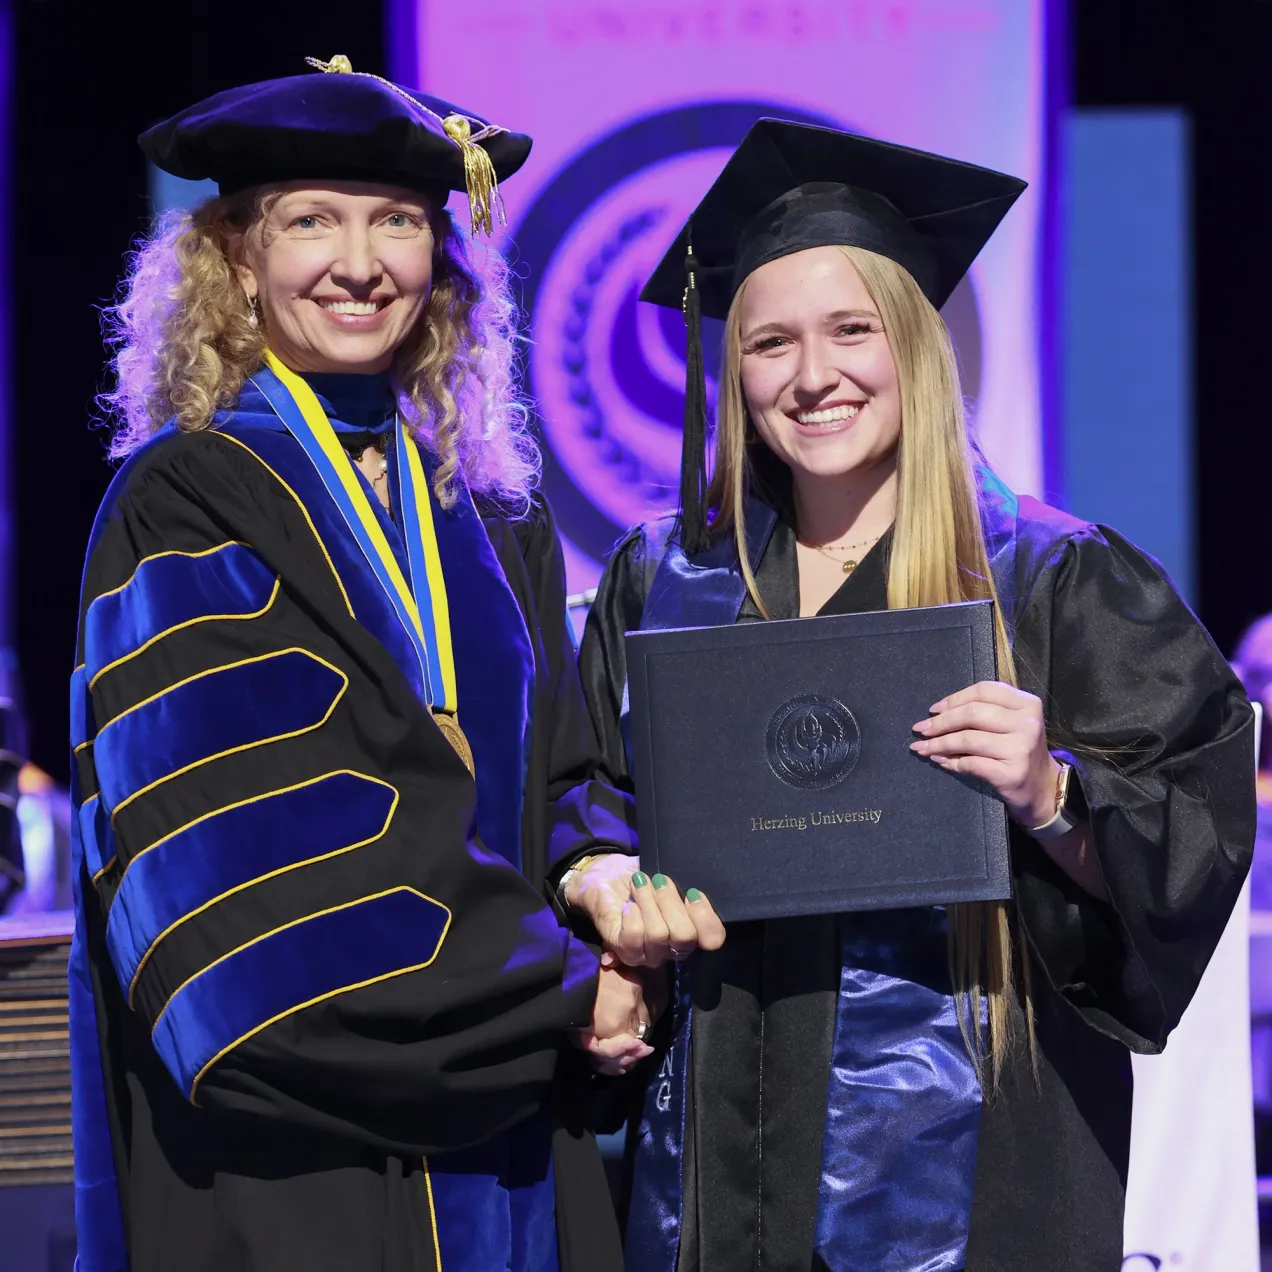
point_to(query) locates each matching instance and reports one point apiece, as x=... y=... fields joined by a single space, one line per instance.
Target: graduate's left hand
x=995 y=732
x=643 y=922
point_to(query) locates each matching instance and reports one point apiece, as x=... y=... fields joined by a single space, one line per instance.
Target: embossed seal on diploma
x=813 y=741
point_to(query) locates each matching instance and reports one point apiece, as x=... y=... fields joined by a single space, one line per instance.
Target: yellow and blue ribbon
x=420 y=602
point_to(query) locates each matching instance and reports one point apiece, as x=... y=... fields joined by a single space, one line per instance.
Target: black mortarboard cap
x=789 y=187
x=341 y=125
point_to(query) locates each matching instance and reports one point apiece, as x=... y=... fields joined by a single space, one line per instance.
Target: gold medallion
x=849 y=566
x=451 y=731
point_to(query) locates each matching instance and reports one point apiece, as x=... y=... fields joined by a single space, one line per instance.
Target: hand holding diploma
x=996 y=732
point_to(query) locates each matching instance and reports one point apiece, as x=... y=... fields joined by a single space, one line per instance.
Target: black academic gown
x=346 y=1047
x=1160 y=734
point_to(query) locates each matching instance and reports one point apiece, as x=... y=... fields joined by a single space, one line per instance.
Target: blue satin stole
x=903 y=1100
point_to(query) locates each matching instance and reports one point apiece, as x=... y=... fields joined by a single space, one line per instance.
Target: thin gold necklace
x=851 y=563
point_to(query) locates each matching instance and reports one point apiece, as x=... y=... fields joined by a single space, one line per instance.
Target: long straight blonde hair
x=938 y=556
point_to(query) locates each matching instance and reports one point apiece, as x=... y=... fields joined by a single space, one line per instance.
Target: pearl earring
x=253 y=312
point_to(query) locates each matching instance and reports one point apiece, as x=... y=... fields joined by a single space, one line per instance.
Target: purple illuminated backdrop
x=634 y=108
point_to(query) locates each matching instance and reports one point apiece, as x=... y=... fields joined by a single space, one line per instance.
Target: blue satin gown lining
x=903 y=1105
x=654 y=1220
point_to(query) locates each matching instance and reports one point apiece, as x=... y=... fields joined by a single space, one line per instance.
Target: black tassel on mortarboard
x=693 y=454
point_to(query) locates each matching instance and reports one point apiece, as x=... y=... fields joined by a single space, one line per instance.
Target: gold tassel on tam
x=480 y=181
x=479 y=174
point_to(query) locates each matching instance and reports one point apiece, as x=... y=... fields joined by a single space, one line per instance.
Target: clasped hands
x=643 y=924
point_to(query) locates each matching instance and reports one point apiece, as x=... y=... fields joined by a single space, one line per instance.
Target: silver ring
x=642 y=1030
x=678 y=955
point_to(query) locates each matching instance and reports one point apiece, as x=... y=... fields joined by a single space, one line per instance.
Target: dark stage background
x=88 y=77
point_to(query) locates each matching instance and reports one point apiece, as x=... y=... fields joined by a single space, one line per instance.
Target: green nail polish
x=693 y=895
x=639 y=879
x=660 y=881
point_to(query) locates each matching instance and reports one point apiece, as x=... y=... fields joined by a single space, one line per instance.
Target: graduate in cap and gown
x=942 y=1088
x=329 y=738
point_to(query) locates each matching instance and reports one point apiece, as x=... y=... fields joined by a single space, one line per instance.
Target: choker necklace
x=849 y=565
x=355 y=449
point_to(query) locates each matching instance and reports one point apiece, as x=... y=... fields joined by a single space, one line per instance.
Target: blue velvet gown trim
x=333 y=470
x=494 y=669
x=903 y=1100
x=237 y=846
x=507 y=1182
x=83 y=727
x=99 y=1218
x=262 y=433
x=496 y=1204
x=96 y=835
x=236 y=707
x=293 y=967
x=99 y=1223
x=173 y=590
x=354 y=403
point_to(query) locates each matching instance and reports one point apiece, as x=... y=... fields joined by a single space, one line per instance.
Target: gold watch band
x=1061 y=822
x=576 y=868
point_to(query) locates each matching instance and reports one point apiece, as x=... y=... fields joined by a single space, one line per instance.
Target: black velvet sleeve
x=588 y=811
x=294 y=903
x=585 y=811
x=1160 y=733
x=620 y=600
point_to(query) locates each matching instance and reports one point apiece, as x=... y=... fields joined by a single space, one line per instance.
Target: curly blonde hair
x=183 y=345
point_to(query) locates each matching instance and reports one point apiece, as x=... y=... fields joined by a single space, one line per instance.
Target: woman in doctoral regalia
x=329 y=737
x=937 y=1088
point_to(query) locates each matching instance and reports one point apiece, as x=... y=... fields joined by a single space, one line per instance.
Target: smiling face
x=817 y=372
x=342 y=271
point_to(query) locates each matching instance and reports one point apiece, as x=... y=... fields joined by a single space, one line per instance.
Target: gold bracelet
x=577 y=868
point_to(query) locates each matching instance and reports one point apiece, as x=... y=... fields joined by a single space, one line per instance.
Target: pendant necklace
x=849 y=565
x=379 y=445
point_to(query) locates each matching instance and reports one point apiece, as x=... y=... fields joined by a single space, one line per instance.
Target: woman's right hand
x=628 y=1003
x=643 y=922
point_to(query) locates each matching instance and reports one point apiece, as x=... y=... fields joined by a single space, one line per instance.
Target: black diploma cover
x=773 y=769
